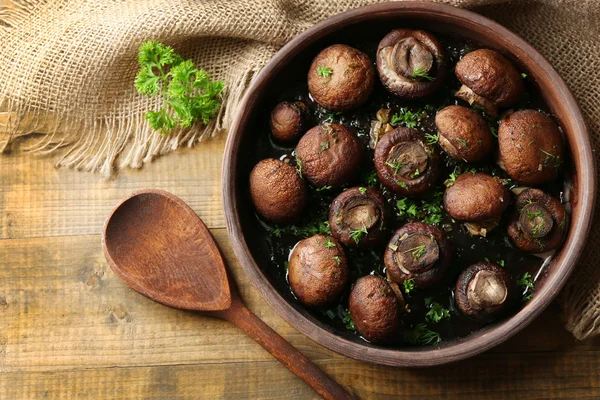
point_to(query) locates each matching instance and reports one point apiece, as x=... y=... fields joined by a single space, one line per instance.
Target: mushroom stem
x=466 y=94
x=486 y=289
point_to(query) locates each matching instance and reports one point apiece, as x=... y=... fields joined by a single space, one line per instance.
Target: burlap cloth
x=67 y=69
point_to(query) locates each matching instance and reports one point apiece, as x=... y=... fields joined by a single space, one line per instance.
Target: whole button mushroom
x=478 y=199
x=357 y=217
x=318 y=271
x=341 y=78
x=278 y=193
x=531 y=147
x=418 y=251
x=489 y=80
x=289 y=121
x=410 y=63
x=538 y=223
x=375 y=310
x=463 y=134
x=405 y=163
x=329 y=155
x=485 y=291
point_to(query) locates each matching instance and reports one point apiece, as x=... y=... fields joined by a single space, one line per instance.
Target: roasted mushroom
x=410 y=63
x=341 y=78
x=405 y=163
x=318 y=270
x=357 y=217
x=329 y=155
x=538 y=222
x=531 y=148
x=289 y=121
x=485 y=291
x=477 y=199
x=463 y=134
x=375 y=310
x=278 y=193
x=489 y=81
x=418 y=251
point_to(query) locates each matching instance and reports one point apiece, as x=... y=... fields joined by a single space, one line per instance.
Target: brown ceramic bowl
x=379 y=19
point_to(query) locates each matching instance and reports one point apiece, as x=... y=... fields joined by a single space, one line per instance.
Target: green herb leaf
x=422 y=335
x=409 y=285
x=421 y=73
x=436 y=311
x=188 y=93
x=347 y=319
x=328 y=243
x=328 y=187
x=362 y=190
x=337 y=259
x=324 y=72
x=358 y=234
x=432 y=139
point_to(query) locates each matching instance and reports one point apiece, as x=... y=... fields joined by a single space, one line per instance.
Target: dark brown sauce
x=468 y=249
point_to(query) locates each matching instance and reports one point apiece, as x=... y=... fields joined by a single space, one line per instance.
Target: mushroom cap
x=538 y=222
x=418 y=251
x=318 y=270
x=276 y=190
x=375 y=310
x=463 y=134
x=355 y=211
x=531 y=147
x=330 y=154
x=489 y=75
x=289 y=121
x=349 y=81
x=476 y=197
x=405 y=163
x=485 y=291
x=404 y=56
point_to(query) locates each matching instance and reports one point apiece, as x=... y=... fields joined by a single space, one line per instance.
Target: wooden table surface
x=69 y=328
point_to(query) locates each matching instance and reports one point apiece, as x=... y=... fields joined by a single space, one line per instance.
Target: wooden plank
x=61 y=307
x=38 y=200
x=572 y=375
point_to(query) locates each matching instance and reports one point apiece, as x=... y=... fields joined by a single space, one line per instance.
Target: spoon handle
x=283 y=351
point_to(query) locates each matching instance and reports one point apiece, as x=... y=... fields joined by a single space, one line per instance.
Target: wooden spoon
x=162 y=249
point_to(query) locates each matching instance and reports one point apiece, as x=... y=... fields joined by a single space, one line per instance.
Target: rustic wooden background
x=70 y=329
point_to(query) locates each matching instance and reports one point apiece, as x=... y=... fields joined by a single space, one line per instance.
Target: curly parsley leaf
x=188 y=93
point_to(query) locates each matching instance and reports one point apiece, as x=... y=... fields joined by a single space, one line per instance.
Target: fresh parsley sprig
x=187 y=92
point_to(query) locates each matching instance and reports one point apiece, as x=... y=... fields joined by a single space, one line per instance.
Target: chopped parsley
x=324 y=145
x=403 y=185
x=408 y=118
x=328 y=243
x=436 y=311
x=421 y=73
x=395 y=165
x=358 y=234
x=409 y=285
x=462 y=142
x=432 y=139
x=324 y=72
x=526 y=282
x=328 y=187
x=337 y=259
x=417 y=252
x=421 y=334
x=362 y=190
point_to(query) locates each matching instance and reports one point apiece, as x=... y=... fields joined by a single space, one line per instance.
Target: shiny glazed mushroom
x=538 y=223
x=289 y=121
x=278 y=193
x=405 y=163
x=410 y=63
x=418 y=251
x=488 y=80
x=329 y=155
x=375 y=310
x=358 y=217
x=477 y=199
x=485 y=291
x=531 y=147
x=341 y=78
x=463 y=134
x=318 y=270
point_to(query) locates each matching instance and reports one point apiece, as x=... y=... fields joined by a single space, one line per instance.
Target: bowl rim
x=428 y=356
